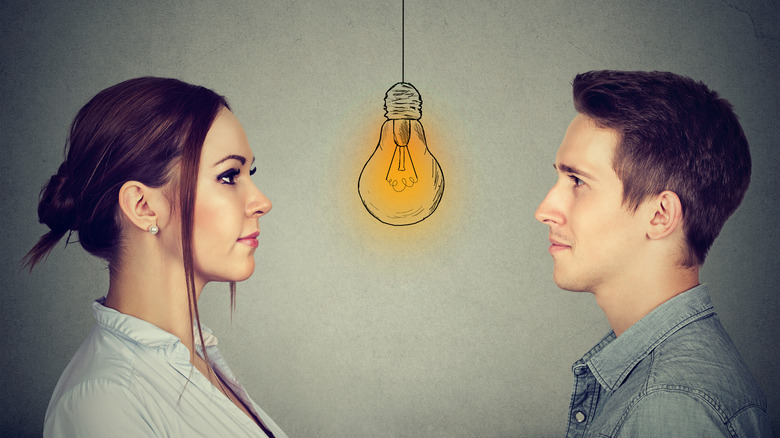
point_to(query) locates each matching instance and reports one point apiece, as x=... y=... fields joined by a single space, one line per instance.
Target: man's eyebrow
x=240 y=159
x=565 y=168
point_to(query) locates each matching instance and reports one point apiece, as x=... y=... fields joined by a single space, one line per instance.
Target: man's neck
x=626 y=302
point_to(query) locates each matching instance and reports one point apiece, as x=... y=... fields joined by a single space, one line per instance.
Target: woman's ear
x=139 y=204
x=665 y=215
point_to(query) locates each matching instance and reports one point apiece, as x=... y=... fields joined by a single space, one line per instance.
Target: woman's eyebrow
x=241 y=159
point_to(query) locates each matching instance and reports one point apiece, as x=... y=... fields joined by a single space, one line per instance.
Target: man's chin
x=568 y=283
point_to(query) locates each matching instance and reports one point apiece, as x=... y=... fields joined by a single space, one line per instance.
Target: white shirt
x=131 y=378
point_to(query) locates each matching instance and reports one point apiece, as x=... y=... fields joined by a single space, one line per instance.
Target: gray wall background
x=351 y=328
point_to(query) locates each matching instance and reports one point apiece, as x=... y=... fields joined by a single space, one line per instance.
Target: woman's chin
x=245 y=273
x=236 y=274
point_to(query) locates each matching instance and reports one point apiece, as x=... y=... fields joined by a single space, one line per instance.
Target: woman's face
x=227 y=205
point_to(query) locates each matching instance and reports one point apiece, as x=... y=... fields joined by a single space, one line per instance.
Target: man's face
x=592 y=234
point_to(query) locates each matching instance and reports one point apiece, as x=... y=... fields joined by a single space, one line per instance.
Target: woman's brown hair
x=141 y=130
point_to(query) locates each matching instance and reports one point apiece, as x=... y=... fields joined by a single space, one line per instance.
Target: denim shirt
x=132 y=378
x=675 y=372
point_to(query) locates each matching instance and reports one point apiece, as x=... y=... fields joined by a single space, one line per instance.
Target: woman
x=155 y=182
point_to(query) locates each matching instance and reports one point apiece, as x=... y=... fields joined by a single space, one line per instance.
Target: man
x=648 y=173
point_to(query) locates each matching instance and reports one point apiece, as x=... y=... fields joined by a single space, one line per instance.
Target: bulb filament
x=401 y=173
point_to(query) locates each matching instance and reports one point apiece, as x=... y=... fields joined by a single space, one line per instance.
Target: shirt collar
x=140 y=331
x=612 y=359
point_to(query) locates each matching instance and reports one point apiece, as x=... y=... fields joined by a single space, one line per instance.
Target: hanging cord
x=402 y=40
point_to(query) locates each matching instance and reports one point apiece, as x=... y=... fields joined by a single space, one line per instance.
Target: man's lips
x=250 y=240
x=557 y=245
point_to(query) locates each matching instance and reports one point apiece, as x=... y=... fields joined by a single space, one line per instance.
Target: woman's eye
x=229 y=177
x=252 y=171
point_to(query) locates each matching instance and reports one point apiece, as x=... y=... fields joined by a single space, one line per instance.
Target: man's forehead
x=586 y=148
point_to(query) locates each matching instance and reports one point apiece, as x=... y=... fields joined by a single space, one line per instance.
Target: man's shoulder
x=702 y=361
x=696 y=380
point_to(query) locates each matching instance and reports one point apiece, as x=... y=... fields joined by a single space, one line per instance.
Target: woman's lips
x=250 y=240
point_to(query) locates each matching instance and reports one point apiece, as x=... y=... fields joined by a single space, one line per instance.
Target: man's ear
x=665 y=215
x=138 y=204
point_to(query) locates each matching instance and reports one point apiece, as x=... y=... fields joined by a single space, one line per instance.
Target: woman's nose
x=259 y=204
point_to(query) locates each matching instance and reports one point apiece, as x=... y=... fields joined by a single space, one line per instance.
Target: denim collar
x=613 y=358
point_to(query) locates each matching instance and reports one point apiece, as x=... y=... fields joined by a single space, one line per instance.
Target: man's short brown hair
x=675 y=134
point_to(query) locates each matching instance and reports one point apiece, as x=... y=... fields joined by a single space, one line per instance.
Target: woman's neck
x=154 y=290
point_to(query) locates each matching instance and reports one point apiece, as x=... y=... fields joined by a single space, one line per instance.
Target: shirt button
x=579 y=416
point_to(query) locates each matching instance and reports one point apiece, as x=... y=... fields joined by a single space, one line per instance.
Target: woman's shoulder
x=94 y=390
x=96 y=406
x=99 y=362
x=107 y=379
x=121 y=354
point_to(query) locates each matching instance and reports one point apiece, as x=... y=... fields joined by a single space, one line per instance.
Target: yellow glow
x=420 y=177
x=354 y=137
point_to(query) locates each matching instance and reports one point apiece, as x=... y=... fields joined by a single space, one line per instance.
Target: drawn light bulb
x=402 y=183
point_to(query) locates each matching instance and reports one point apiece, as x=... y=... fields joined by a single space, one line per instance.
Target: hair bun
x=56 y=208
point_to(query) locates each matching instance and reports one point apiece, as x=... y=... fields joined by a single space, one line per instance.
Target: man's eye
x=577 y=182
x=252 y=171
x=229 y=177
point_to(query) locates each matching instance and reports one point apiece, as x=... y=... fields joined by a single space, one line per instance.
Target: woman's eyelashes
x=229 y=176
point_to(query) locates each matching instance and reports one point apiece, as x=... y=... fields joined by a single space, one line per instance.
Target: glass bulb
x=401 y=183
